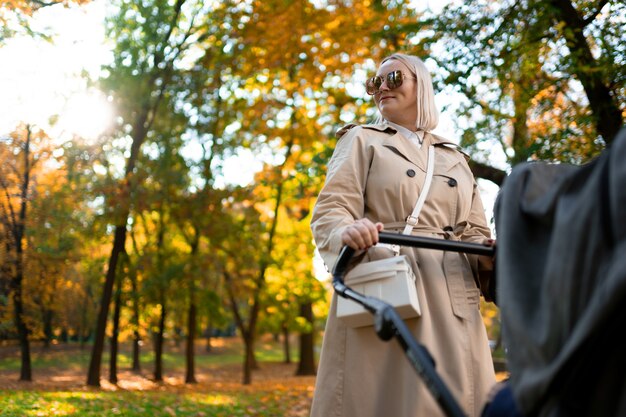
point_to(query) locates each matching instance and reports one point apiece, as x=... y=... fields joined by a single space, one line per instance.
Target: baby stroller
x=561 y=289
x=561 y=284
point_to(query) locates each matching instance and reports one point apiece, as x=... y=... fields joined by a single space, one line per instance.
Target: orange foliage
x=29 y=7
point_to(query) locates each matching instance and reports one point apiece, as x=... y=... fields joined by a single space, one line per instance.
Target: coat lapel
x=403 y=147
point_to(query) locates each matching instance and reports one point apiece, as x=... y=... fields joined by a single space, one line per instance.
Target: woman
x=374 y=179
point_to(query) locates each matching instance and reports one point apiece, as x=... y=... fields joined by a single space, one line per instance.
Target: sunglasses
x=393 y=79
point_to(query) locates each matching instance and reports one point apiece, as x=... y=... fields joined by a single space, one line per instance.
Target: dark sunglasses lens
x=373 y=85
x=394 y=79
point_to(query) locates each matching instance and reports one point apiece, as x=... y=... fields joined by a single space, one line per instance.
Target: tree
x=598 y=76
x=538 y=79
x=15 y=14
x=207 y=115
x=291 y=288
x=303 y=51
x=162 y=199
x=145 y=65
x=53 y=248
x=41 y=223
x=15 y=186
x=23 y=154
x=73 y=231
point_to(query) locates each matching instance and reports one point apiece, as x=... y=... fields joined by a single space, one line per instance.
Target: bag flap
x=373 y=270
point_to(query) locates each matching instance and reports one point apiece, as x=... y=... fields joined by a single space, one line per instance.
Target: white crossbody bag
x=391 y=280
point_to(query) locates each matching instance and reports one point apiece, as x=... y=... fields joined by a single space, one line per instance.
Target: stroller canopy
x=561 y=284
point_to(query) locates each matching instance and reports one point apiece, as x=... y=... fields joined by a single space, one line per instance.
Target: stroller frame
x=387 y=322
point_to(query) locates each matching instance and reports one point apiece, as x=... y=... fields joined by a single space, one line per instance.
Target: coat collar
x=403 y=147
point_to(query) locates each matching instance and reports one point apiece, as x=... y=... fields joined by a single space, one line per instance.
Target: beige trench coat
x=377 y=173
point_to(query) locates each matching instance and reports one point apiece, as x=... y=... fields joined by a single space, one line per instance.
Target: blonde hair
x=427 y=114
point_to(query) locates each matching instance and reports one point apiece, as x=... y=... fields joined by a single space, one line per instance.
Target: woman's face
x=398 y=105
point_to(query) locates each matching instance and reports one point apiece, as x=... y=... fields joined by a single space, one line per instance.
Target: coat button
x=452 y=182
x=410 y=173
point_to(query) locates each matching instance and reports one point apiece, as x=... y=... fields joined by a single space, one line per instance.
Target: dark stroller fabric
x=561 y=285
x=502 y=405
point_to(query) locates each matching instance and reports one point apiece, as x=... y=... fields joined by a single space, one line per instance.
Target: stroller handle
x=415 y=241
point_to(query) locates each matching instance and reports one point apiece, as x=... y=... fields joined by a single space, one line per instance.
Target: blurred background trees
x=142 y=234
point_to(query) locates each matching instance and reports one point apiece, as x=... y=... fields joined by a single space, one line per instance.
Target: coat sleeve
x=341 y=201
x=477 y=231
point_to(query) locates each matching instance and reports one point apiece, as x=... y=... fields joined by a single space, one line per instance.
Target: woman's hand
x=488 y=260
x=362 y=234
x=487 y=273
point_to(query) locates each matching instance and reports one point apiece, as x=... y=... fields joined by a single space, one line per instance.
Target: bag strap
x=412 y=219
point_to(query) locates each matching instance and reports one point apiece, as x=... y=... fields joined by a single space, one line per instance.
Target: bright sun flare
x=86 y=115
x=44 y=84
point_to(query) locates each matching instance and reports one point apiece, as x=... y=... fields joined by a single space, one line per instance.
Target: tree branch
x=593 y=16
x=487 y=172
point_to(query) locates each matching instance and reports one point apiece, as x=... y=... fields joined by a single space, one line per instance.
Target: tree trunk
x=22 y=331
x=136 y=367
x=286 y=347
x=190 y=377
x=82 y=327
x=190 y=374
x=158 y=345
x=46 y=317
x=114 y=336
x=93 y=375
x=249 y=362
x=307 y=355
x=18 y=304
x=5 y=271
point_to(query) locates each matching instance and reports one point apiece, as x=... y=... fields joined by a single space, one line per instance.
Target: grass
x=60 y=372
x=59 y=386
x=135 y=404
